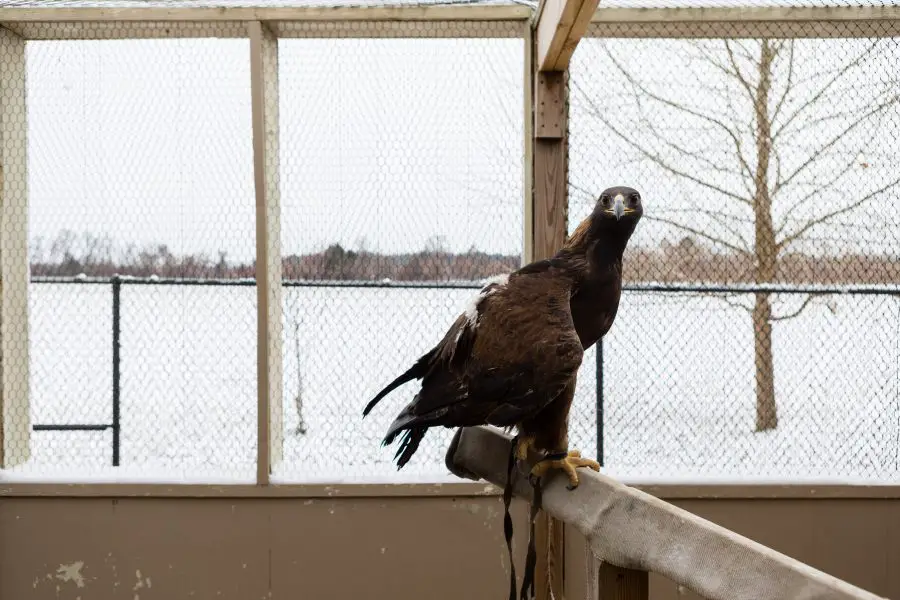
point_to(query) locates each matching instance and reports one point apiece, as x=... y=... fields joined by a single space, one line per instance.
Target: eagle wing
x=510 y=354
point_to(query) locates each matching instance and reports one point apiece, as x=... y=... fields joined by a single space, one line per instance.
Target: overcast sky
x=386 y=143
x=389 y=143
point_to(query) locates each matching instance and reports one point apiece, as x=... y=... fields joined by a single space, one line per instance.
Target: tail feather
x=417 y=371
x=409 y=443
x=411 y=431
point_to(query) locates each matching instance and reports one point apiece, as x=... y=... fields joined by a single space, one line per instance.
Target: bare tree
x=768 y=143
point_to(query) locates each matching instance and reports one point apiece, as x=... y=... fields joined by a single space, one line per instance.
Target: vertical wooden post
x=528 y=166
x=616 y=583
x=550 y=149
x=550 y=211
x=264 y=90
x=15 y=410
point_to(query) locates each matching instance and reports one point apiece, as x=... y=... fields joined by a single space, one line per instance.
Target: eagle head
x=610 y=225
x=619 y=206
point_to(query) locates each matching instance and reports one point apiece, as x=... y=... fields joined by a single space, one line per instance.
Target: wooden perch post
x=559 y=26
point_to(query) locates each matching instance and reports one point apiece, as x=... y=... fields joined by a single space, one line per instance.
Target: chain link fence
x=759 y=333
x=140 y=165
x=401 y=185
x=402 y=190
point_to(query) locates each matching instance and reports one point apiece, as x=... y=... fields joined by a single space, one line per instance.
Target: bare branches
x=723 y=220
x=738 y=74
x=697 y=232
x=789 y=84
x=836 y=139
x=815 y=193
x=655 y=158
x=795 y=313
x=729 y=137
x=646 y=92
x=821 y=220
x=814 y=100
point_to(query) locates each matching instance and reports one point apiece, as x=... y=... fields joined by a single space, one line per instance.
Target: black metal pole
x=116 y=329
x=600 y=402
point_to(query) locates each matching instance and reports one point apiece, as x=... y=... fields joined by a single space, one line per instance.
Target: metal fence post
x=116 y=330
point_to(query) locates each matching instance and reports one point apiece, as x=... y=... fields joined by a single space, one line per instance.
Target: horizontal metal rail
x=72 y=427
x=251 y=282
x=661 y=287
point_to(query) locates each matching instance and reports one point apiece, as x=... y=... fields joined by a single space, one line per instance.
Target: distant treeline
x=686 y=260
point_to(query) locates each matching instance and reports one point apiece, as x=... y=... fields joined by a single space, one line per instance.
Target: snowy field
x=678 y=371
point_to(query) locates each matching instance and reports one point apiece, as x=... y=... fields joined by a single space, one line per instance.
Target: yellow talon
x=522 y=447
x=568 y=465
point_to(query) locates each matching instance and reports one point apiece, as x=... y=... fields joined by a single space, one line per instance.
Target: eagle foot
x=566 y=462
x=523 y=444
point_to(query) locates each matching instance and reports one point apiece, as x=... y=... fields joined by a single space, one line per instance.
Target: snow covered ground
x=678 y=370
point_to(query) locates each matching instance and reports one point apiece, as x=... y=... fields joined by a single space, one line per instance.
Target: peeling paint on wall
x=71 y=572
x=142 y=582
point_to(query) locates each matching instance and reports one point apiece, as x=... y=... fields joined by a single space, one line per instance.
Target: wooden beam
x=560 y=26
x=785 y=14
x=528 y=141
x=746 y=29
x=616 y=583
x=309 y=28
x=298 y=13
x=549 y=205
x=550 y=202
x=550 y=117
x=399 y=29
x=549 y=572
x=15 y=408
x=264 y=92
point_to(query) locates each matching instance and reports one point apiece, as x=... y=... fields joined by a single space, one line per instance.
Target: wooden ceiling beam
x=560 y=26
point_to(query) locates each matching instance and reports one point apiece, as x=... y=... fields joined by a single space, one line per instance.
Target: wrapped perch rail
x=631 y=529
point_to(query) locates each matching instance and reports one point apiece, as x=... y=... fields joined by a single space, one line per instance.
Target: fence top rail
x=250 y=281
x=631 y=529
x=663 y=287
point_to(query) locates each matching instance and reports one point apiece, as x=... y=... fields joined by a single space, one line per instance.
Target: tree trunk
x=765 y=246
x=766 y=409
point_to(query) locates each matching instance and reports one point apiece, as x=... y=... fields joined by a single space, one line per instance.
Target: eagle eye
x=635 y=198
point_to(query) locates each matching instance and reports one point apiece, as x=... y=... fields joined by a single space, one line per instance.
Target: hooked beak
x=618 y=208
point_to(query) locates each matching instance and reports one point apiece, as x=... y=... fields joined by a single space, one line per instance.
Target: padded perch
x=632 y=529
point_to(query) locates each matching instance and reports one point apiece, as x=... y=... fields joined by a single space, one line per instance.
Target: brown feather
x=512 y=359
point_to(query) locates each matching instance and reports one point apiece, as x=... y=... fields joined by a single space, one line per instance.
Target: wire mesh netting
x=140 y=166
x=401 y=191
x=766 y=162
x=758 y=336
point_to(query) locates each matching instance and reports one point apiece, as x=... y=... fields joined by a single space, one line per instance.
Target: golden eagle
x=511 y=359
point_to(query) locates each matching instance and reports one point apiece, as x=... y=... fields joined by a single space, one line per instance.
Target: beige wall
x=256 y=548
x=138 y=548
